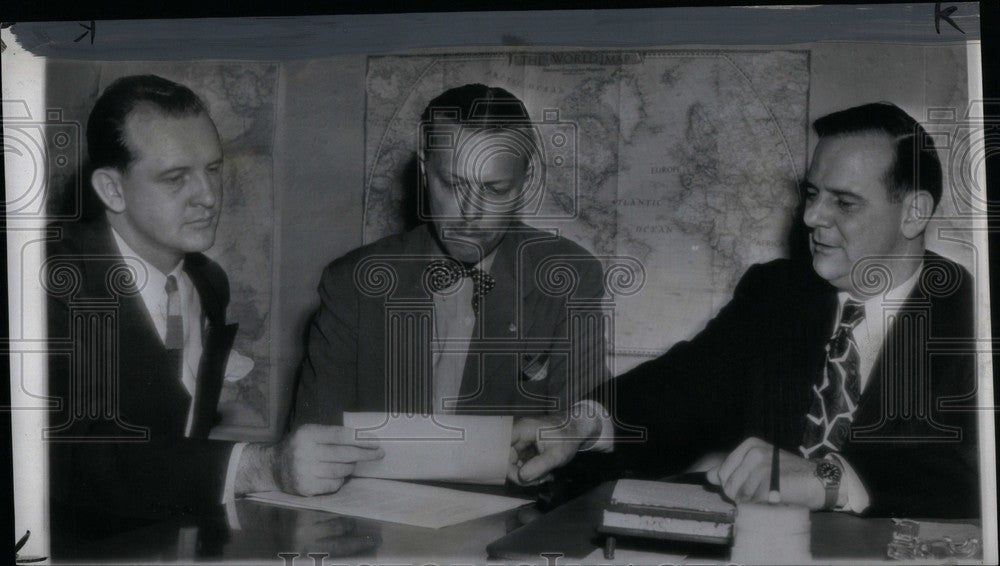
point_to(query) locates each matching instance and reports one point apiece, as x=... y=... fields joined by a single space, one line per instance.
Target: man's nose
x=470 y=205
x=205 y=190
x=814 y=213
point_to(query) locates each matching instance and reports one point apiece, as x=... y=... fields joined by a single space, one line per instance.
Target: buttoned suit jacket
x=360 y=356
x=117 y=437
x=752 y=370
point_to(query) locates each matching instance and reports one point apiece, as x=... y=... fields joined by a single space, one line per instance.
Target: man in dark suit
x=859 y=365
x=469 y=312
x=137 y=317
x=138 y=336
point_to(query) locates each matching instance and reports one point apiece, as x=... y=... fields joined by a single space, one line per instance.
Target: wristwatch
x=829 y=473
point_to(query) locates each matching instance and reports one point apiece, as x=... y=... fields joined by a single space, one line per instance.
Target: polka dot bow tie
x=443 y=273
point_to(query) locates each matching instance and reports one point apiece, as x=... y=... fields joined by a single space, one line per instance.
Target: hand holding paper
x=318 y=459
x=543 y=444
x=457 y=448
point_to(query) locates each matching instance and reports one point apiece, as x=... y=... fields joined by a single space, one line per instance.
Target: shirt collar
x=487 y=261
x=484 y=264
x=155 y=278
x=889 y=301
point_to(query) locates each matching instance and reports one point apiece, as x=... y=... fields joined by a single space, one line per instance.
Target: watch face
x=828 y=471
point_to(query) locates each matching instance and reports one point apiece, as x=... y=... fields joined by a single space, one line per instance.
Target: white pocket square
x=238 y=366
x=536 y=369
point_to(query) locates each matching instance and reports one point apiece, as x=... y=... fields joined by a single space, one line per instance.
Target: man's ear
x=107 y=183
x=529 y=173
x=918 y=207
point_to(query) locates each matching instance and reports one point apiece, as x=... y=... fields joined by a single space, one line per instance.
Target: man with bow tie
x=460 y=314
x=858 y=363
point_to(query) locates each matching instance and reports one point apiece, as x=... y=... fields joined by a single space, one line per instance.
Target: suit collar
x=501 y=316
x=212 y=303
x=419 y=242
x=507 y=313
x=95 y=237
x=500 y=307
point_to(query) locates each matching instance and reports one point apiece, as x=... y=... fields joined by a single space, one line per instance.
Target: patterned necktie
x=828 y=422
x=443 y=273
x=175 y=322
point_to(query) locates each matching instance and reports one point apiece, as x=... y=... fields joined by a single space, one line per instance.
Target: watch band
x=829 y=473
x=832 y=491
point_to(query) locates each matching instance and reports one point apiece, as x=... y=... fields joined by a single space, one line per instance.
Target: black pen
x=774 y=496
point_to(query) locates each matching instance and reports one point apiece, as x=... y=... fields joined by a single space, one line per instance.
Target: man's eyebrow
x=846 y=193
x=806 y=185
x=173 y=170
x=184 y=168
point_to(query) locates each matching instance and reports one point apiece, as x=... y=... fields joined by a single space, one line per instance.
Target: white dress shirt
x=454 y=324
x=870 y=333
x=869 y=336
x=154 y=298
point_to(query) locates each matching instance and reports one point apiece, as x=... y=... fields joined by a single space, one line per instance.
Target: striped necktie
x=175 y=321
x=834 y=399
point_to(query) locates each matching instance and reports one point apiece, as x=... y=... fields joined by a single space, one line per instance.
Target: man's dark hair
x=915 y=166
x=477 y=107
x=106 y=144
x=491 y=106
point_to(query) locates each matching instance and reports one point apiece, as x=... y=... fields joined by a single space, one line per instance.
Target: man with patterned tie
x=859 y=364
x=458 y=314
x=145 y=314
x=139 y=342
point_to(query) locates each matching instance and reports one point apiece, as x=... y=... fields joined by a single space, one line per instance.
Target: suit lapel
x=498 y=319
x=147 y=370
x=410 y=271
x=819 y=312
x=408 y=262
x=897 y=352
x=217 y=341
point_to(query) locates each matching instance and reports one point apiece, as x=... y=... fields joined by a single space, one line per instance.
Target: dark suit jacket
x=117 y=441
x=913 y=440
x=361 y=357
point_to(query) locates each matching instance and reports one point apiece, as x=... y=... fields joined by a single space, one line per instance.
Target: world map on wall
x=687 y=161
x=240 y=99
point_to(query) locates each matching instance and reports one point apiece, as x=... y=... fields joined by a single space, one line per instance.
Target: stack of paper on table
x=467 y=449
x=668 y=511
x=398 y=502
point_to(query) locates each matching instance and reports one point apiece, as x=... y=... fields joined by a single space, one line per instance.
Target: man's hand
x=317 y=459
x=312 y=460
x=745 y=475
x=542 y=444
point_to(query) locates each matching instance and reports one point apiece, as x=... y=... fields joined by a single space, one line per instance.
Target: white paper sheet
x=398 y=502
x=458 y=448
